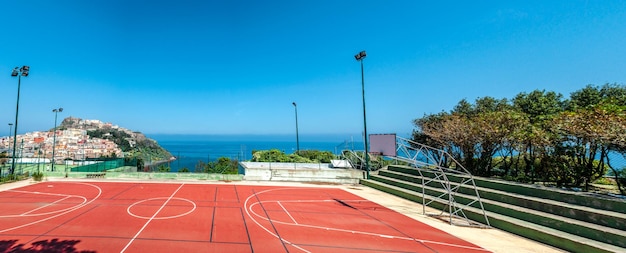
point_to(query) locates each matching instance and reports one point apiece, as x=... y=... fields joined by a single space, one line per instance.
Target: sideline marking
x=152 y=218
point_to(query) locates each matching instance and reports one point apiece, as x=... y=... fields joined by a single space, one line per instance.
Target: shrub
x=37 y=175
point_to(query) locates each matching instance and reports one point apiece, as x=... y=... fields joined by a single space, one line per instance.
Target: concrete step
x=592 y=200
x=596 y=216
x=589 y=230
x=550 y=236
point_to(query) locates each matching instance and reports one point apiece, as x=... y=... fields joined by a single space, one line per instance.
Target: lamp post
x=19 y=72
x=10 y=133
x=54 y=138
x=359 y=57
x=297 y=136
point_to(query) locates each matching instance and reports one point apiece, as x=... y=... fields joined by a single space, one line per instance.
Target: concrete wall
x=300 y=172
x=254 y=171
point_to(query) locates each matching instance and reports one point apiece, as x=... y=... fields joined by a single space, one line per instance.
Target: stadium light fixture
x=360 y=57
x=19 y=72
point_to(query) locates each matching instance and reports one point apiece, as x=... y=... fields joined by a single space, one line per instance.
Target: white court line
x=362 y=232
x=152 y=218
x=160 y=218
x=42 y=193
x=49 y=194
x=285 y=209
x=249 y=210
x=42 y=207
x=263 y=227
x=355 y=231
x=62 y=213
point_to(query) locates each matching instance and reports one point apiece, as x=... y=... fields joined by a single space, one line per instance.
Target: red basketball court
x=190 y=217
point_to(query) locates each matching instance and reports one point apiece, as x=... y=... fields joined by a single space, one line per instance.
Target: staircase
x=573 y=221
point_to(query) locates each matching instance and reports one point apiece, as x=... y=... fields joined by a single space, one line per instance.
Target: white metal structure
x=433 y=161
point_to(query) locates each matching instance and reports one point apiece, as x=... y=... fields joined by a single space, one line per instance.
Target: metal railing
x=357 y=160
x=434 y=161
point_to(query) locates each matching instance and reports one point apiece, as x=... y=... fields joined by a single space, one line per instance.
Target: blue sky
x=235 y=67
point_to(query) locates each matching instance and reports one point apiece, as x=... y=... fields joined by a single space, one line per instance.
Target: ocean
x=190 y=149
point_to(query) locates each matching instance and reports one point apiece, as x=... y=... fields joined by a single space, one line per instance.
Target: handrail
x=351 y=153
x=428 y=159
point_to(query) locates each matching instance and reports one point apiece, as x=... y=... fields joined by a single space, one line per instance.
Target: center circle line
x=128 y=210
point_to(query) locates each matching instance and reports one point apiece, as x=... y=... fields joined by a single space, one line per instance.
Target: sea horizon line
x=256 y=137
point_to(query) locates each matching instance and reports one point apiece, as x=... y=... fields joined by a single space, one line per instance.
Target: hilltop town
x=77 y=140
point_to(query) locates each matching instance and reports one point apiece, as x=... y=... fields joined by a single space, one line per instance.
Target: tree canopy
x=536 y=136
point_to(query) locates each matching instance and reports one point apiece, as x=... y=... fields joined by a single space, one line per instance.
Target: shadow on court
x=343 y=203
x=54 y=245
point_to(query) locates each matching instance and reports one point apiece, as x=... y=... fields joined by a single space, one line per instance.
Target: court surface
x=190 y=217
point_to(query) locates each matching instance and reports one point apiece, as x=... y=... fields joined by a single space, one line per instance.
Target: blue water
x=189 y=149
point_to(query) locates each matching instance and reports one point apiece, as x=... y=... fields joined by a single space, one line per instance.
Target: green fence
x=99 y=166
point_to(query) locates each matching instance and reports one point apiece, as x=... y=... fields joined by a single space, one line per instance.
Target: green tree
x=420 y=135
x=456 y=134
x=140 y=164
x=3 y=158
x=614 y=94
x=538 y=142
x=538 y=136
x=272 y=155
x=593 y=128
x=539 y=105
x=225 y=165
x=582 y=144
x=164 y=168
x=315 y=156
x=584 y=98
x=201 y=166
x=496 y=132
x=472 y=133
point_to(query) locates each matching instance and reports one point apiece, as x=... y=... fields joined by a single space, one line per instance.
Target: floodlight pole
x=10 y=133
x=54 y=138
x=297 y=135
x=19 y=72
x=359 y=57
